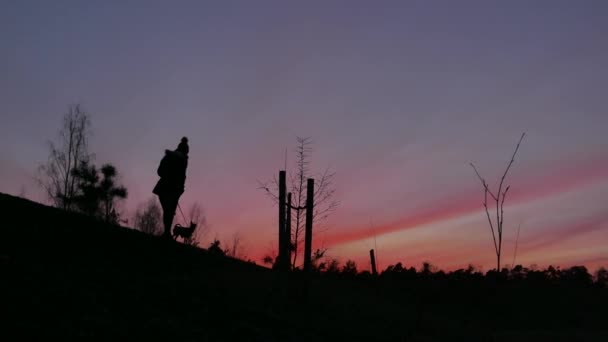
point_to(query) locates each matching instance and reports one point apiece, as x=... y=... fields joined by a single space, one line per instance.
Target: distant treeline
x=572 y=276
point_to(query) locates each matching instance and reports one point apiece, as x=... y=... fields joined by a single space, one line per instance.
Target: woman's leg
x=169 y=204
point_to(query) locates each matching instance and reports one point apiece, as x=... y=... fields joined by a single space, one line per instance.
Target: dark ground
x=69 y=276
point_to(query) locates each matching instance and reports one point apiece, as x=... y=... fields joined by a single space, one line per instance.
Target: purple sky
x=398 y=96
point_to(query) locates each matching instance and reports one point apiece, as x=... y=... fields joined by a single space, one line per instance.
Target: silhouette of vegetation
x=148 y=217
x=70 y=150
x=317 y=256
x=268 y=260
x=98 y=194
x=350 y=268
x=324 y=194
x=316 y=259
x=499 y=199
x=235 y=247
x=110 y=192
x=270 y=257
x=215 y=249
x=333 y=267
x=601 y=277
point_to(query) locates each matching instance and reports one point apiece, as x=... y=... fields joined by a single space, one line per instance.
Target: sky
x=398 y=98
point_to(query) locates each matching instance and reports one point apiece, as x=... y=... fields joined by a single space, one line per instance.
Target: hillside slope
x=66 y=275
x=74 y=276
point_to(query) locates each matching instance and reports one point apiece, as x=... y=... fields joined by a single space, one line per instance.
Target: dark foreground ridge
x=66 y=275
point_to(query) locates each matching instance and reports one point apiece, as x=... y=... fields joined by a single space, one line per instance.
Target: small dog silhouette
x=183 y=232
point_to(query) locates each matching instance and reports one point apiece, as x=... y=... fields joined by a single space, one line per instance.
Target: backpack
x=163 y=167
x=161 y=171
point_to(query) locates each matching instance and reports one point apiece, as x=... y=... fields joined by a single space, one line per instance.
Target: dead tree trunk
x=310 y=204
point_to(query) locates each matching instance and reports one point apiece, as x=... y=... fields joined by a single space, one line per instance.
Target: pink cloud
x=544 y=181
x=549 y=236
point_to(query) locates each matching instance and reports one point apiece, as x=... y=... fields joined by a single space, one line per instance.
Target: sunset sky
x=398 y=97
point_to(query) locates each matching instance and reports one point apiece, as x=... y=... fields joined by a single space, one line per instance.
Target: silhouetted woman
x=170 y=186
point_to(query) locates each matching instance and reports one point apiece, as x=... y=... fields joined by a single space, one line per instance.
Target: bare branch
x=502 y=203
x=483 y=181
x=511 y=162
x=266 y=188
x=485 y=205
x=516 y=242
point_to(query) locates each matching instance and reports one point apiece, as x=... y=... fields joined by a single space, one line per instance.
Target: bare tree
x=197 y=215
x=55 y=176
x=499 y=199
x=325 y=203
x=235 y=247
x=148 y=217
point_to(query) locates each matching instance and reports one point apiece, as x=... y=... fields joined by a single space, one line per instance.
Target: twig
x=516 y=242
